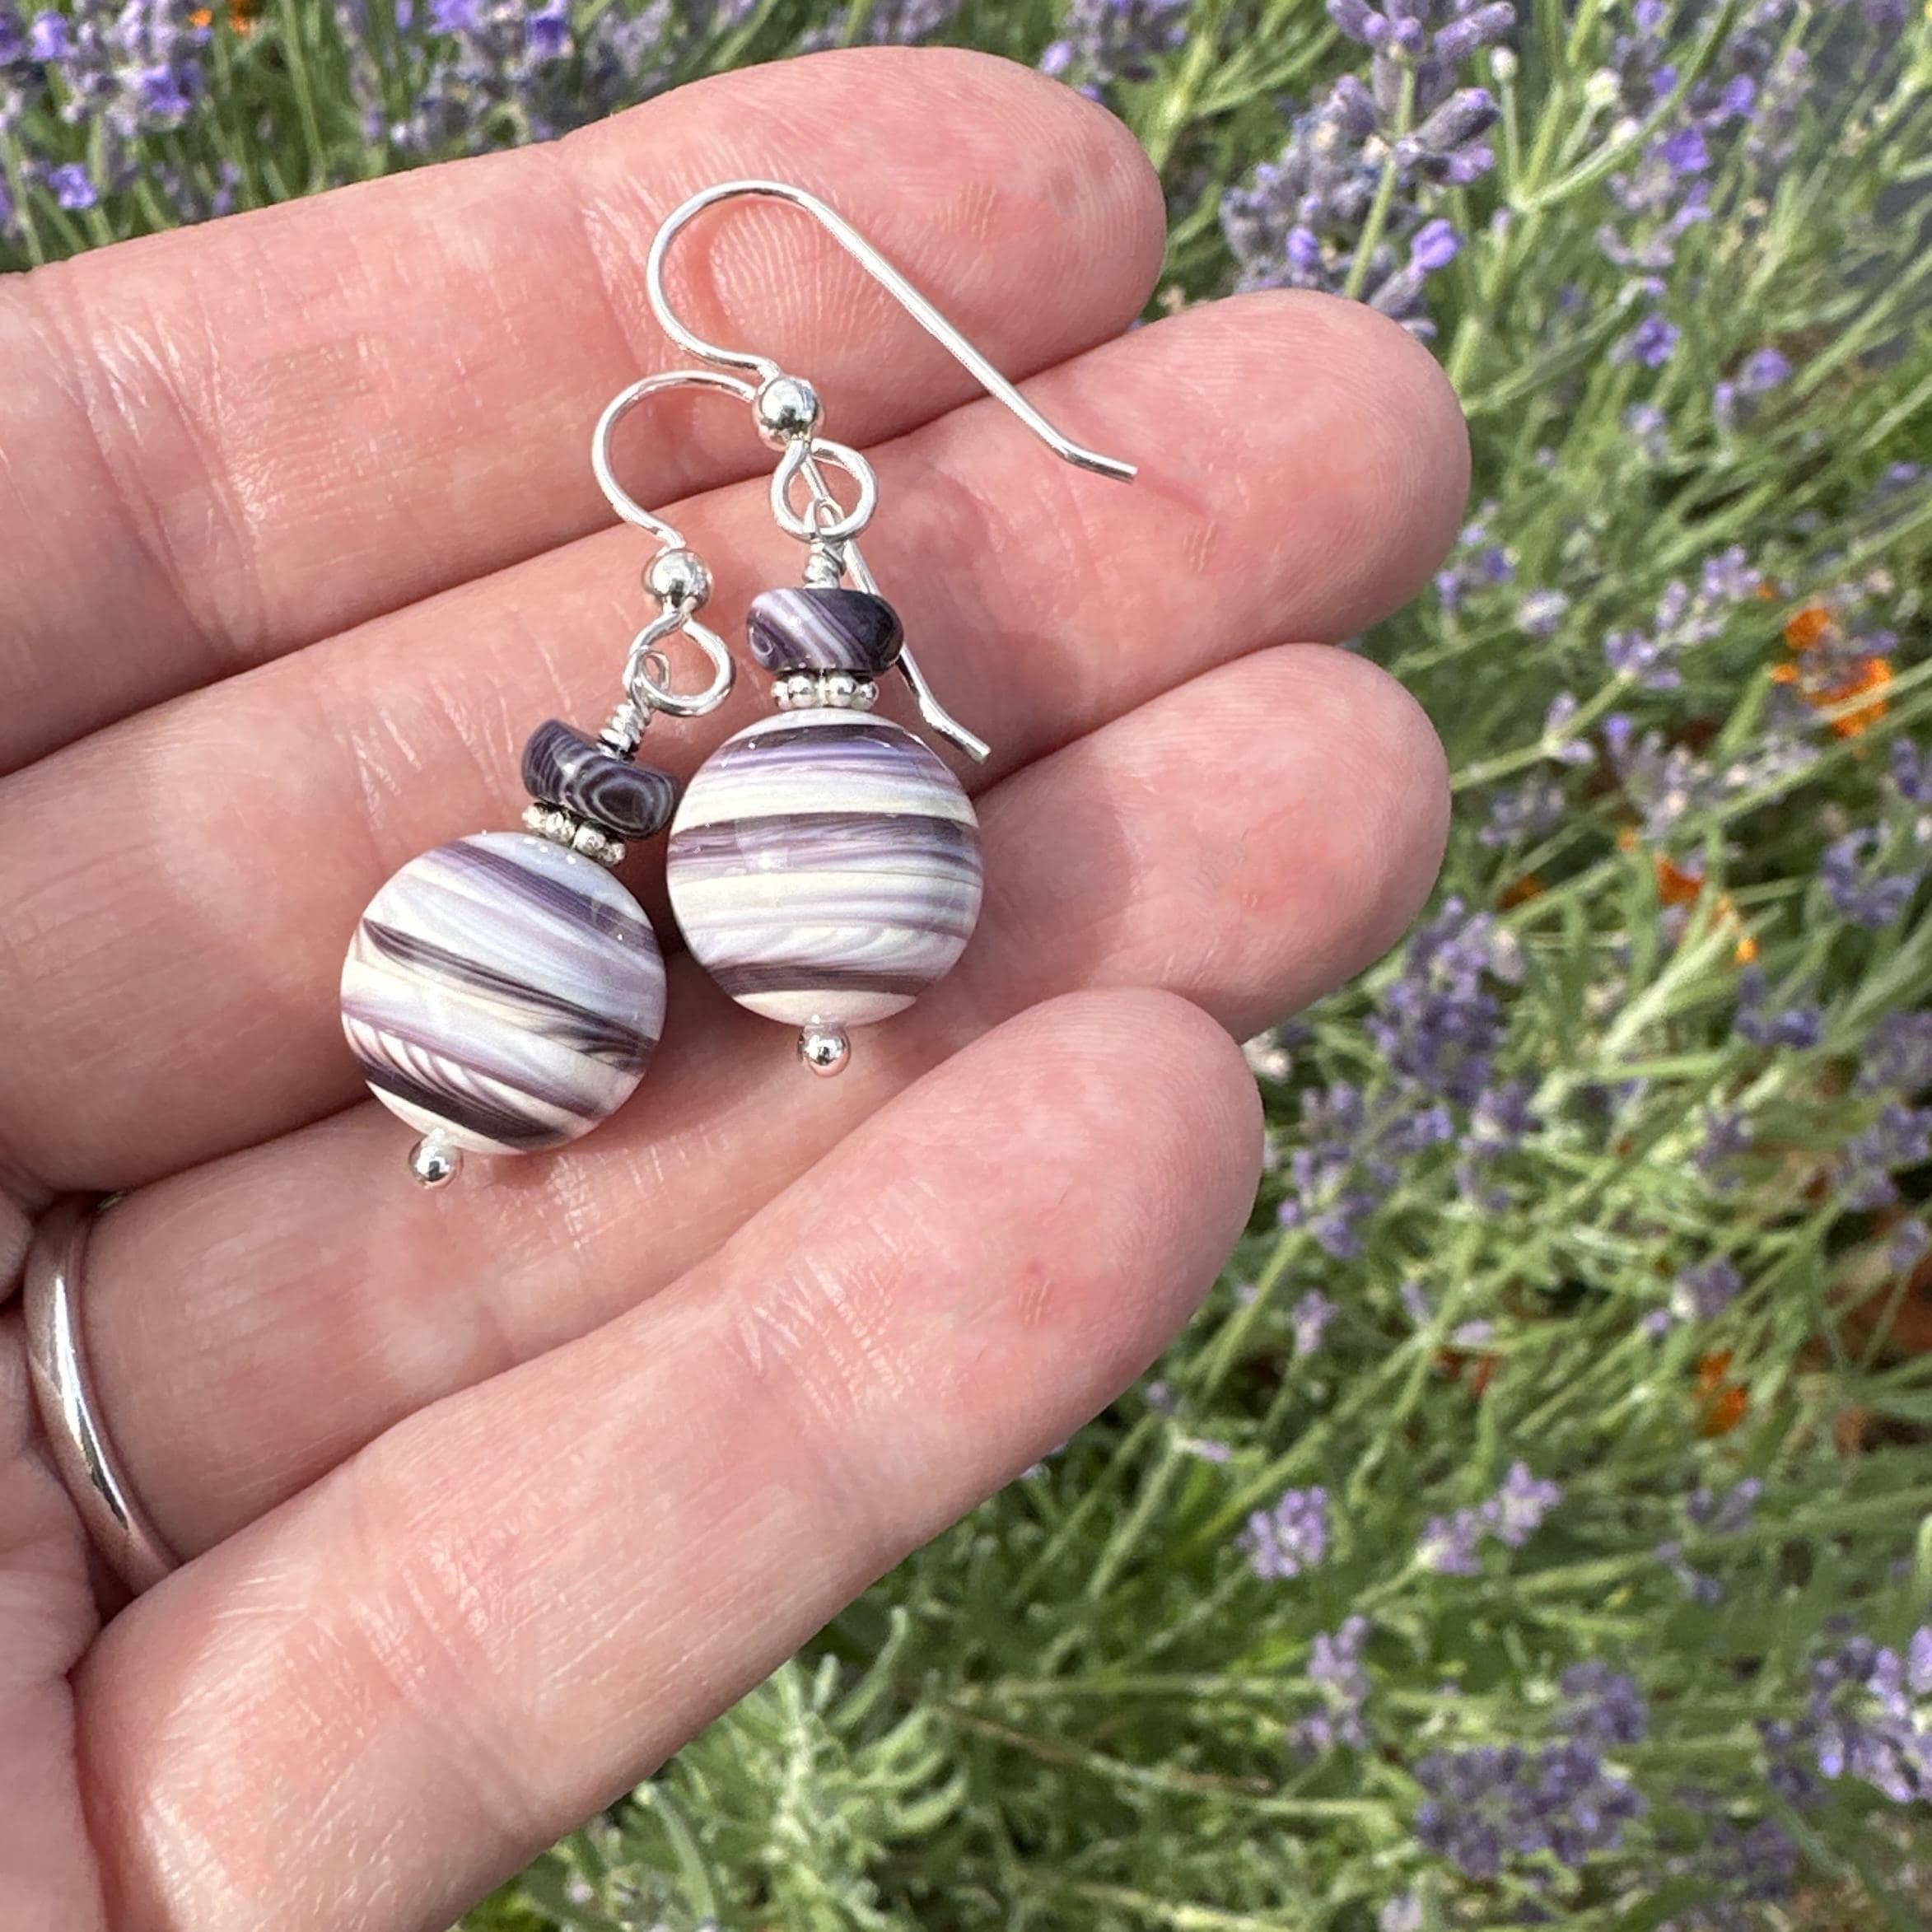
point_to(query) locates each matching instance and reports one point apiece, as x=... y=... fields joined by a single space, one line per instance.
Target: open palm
x=493 y=1497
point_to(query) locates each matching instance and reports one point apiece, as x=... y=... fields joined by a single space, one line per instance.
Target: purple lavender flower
x=1438 y=1026
x=1517 y=1510
x=1697 y=1584
x=1336 y=1670
x=1897 y=1055
x=1865 y=895
x=1703 y=1292
x=887 y=23
x=1310 y=1318
x=1105 y=42
x=1908 y=1244
x=1476 y=564
x=1523 y=811
x=1452 y=1545
x=1867 y=1717
x=1603 y=1706
x=1764 y=370
x=1541 y=613
x=1911 y=772
x=1900 y=1138
x=1292 y=1537
x=73 y=188
x=1800 y=1025
x=1728 y=1515
x=1492 y=1802
x=507 y=71
x=1652 y=343
x=1648 y=428
x=1727 y=1136
x=1299 y=221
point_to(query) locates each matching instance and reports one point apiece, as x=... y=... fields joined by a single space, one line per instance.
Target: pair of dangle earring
x=504 y=993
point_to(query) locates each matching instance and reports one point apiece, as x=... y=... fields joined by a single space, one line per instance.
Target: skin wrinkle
x=207 y=557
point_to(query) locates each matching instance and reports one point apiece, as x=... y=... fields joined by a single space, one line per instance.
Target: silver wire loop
x=888 y=277
x=800 y=462
x=620 y=406
x=647 y=670
x=77 y=1435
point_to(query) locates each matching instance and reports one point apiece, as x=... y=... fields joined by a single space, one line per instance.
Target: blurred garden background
x=1535 y=1528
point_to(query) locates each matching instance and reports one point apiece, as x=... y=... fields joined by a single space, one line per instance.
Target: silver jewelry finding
x=788 y=411
x=83 y=1450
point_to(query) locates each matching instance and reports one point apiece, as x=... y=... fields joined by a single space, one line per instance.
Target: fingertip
x=1348 y=439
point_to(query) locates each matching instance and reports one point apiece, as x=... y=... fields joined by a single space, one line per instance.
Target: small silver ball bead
x=824 y=1049
x=787 y=409
x=435 y=1162
x=678 y=577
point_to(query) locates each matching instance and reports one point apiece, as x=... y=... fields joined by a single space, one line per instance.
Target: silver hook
x=888 y=277
x=646 y=676
x=620 y=406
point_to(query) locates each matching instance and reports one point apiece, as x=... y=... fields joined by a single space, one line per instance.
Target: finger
x=47 y=1613
x=506 y=1610
x=256 y=1322
x=1319 y=476
x=252 y=435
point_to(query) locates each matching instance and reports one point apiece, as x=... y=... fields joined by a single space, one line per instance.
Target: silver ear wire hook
x=676 y=575
x=888 y=277
x=620 y=406
x=802 y=457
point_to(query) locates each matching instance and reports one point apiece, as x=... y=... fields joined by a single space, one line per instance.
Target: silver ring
x=83 y=1451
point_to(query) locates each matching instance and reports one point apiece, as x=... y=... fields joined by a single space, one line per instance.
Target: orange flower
x=1809 y=628
x=1873 y=675
x=1827 y=686
x=1721 y=1402
x=1675 y=886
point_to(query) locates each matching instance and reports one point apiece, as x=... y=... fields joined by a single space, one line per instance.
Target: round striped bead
x=824 y=867
x=504 y=990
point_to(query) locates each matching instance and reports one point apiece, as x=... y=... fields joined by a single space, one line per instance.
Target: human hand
x=493 y=1497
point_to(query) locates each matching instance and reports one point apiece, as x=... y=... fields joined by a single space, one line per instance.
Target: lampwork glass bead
x=504 y=990
x=562 y=767
x=824 y=867
x=815 y=628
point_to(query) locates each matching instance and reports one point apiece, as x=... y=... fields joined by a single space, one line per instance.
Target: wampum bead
x=562 y=767
x=814 y=628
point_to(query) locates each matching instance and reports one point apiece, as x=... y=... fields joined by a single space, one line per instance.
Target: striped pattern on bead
x=505 y=991
x=824 y=867
x=823 y=628
x=562 y=767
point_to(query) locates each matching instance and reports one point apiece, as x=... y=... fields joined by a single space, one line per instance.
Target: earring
x=504 y=993
x=824 y=863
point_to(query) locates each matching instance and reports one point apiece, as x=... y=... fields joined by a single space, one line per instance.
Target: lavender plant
x=1537 y=1527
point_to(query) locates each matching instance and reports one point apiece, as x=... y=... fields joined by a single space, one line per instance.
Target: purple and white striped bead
x=503 y=992
x=824 y=867
x=811 y=628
